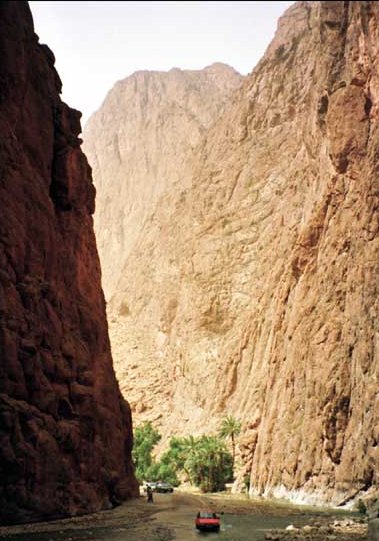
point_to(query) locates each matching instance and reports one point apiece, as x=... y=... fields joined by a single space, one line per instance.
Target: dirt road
x=172 y=516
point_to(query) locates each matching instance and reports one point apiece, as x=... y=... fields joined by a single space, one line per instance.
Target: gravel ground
x=142 y=521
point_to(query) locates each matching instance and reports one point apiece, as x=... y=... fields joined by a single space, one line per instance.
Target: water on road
x=171 y=516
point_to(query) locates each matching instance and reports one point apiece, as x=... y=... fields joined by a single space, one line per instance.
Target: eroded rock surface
x=253 y=289
x=138 y=143
x=65 y=430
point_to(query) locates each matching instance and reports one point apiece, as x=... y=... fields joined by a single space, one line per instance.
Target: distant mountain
x=138 y=143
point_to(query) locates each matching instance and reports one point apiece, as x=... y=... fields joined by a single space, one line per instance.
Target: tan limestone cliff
x=65 y=430
x=137 y=144
x=253 y=289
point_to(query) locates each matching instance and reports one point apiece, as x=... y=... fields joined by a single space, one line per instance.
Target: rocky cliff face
x=138 y=144
x=253 y=290
x=65 y=431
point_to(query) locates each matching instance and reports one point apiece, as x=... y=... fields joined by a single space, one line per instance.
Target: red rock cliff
x=65 y=431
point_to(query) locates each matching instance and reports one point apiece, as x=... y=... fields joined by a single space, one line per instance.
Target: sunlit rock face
x=138 y=143
x=65 y=430
x=252 y=289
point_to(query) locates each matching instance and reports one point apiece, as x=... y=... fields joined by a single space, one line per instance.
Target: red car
x=207 y=521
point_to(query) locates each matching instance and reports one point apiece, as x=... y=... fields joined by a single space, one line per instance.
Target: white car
x=151 y=484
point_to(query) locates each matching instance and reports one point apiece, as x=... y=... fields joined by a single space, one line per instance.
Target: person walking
x=149 y=494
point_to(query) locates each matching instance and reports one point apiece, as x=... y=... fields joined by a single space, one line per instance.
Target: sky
x=97 y=43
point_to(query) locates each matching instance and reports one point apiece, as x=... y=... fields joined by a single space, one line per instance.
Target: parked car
x=162 y=486
x=151 y=484
x=207 y=521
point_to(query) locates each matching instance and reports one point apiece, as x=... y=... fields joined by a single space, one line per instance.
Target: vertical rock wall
x=138 y=143
x=65 y=430
x=254 y=289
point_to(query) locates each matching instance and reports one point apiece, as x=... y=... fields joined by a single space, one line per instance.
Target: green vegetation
x=204 y=461
x=146 y=468
x=145 y=438
x=230 y=428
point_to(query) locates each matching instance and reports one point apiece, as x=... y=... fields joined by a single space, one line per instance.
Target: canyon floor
x=172 y=517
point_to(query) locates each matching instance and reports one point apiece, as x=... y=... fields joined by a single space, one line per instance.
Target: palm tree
x=230 y=428
x=189 y=457
x=213 y=464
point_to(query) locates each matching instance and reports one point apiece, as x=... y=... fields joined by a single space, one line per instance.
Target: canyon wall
x=138 y=143
x=65 y=430
x=252 y=289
